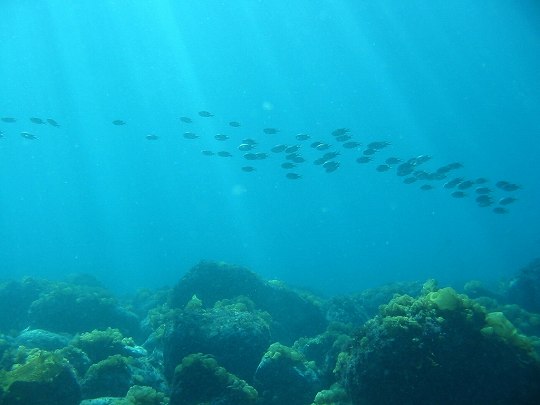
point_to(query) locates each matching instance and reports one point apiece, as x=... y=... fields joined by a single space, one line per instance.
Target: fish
x=270 y=131
x=465 y=184
x=250 y=156
x=330 y=166
x=302 y=137
x=224 y=153
x=426 y=187
x=343 y=138
x=221 y=137
x=248 y=169
x=369 y=151
x=293 y=176
x=459 y=194
x=9 y=119
x=190 y=135
x=315 y=144
x=340 y=131
x=298 y=159
x=28 y=135
x=481 y=180
x=292 y=149
x=279 y=148
x=244 y=147
x=119 y=122
x=382 y=168
x=36 y=120
x=234 y=124
x=484 y=200
x=292 y=156
x=377 y=145
x=261 y=155
x=322 y=146
x=249 y=141
x=287 y=165
x=482 y=190
x=507 y=200
x=405 y=169
x=511 y=187
x=351 y=144
x=392 y=161
x=330 y=155
x=409 y=180
x=152 y=137
x=52 y=122
x=364 y=159
x=207 y=153
x=186 y=120
x=205 y=114
x=453 y=183
x=500 y=210
x=319 y=161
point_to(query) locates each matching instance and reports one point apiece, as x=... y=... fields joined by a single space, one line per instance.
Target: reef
x=223 y=335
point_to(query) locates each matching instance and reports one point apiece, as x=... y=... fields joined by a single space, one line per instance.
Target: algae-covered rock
x=109 y=377
x=234 y=333
x=116 y=374
x=335 y=395
x=295 y=314
x=78 y=308
x=15 y=300
x=439 y=348
x=100 y=344
x=524 y=288
x=41 y=339
x=44 y=379
x=284 y=375
x=199 y=379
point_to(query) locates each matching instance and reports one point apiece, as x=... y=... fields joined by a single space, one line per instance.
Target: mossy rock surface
x=294 y=314
x=45 y=379
x=436 y=349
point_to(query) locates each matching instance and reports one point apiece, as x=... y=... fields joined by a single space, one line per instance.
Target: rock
x=235 y=335
x=284 y=376
x=44 y=379
x=41 y=339
x=294 y=314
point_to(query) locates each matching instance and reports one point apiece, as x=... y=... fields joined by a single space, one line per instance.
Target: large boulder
x=440 y=348
x=294 y=314
x=235 y=335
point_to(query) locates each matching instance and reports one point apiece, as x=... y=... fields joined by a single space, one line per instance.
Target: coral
x=45 y=378
x=199 y=379
x=439 y=348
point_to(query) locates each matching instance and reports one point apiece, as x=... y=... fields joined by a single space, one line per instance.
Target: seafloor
x=225 y=336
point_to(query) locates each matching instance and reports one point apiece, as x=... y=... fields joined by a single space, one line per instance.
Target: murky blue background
x=456 y=80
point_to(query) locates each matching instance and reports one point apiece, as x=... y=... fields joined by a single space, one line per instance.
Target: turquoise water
x=458 y=81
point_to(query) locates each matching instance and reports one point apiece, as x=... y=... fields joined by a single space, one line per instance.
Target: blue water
x=459 y=81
